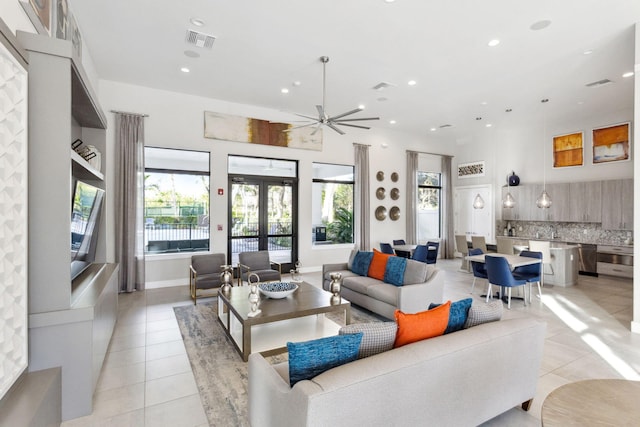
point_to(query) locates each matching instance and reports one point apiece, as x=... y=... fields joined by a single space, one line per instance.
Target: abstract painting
x=611 y=144
x=228 y=127
x=567 y=150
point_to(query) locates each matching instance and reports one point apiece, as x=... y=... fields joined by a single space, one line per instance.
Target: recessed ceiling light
x=197 y=22
x=297 y=83
x=587 y=52
x=433 y=129
x=185 y=69
x=494 y=42
x=540 y=25
x=191 y=54
x=483 y=103
x=393 y=122
x=628 y=74
x=284 y=90
x=488 y=125
x=361 y=107
x=411 y=82
x=389 y=1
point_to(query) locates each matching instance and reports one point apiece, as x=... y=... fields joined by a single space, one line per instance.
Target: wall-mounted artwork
x=568 y=150
x=228 y=127
x=39 y=13
x=471 y=170
x=611 y=144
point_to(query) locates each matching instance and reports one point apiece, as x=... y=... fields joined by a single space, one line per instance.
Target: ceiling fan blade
x=299 y=126
x=357 y=110
x=315 y=119
x=334 y=128
x=357 y=120
x=350 y=125
x=316 y=129
x=320 y=110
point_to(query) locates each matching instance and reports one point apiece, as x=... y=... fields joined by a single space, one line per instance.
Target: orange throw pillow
x=422 y=325
x=378 y=265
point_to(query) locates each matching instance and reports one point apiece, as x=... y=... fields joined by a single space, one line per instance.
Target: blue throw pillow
x=458 y=314
x=361 y=263
x=310 y=358
x=394 y=272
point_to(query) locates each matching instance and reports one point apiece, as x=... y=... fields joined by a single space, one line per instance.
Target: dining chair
x=477 y=268
x=504 y=245
x=499 y=274
x=404 y=254
x=545 y=248
x=386 y=248
x=479 y=243
x=531 y=273
x=462 y=246
x=420 y=253
x=432 y=254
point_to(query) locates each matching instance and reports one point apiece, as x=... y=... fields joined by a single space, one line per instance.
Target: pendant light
x=478 y=202
x=544 y=200
x=509 y=201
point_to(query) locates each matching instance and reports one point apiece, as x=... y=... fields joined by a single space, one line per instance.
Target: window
x=332 y=205
x=176 y=200
x=429 y=197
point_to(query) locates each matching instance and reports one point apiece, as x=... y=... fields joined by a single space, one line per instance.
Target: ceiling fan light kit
x=324 y=119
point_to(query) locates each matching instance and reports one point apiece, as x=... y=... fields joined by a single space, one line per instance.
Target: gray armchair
x=204 y=273
x=258 y=262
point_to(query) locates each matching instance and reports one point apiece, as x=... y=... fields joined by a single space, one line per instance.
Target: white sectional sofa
x=460 y=379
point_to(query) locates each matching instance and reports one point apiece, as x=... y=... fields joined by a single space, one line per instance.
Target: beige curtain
x=447 y=209
x=129 y=200
x=362 y=216
x=412 y=197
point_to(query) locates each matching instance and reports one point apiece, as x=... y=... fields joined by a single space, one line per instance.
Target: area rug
x=219 y=371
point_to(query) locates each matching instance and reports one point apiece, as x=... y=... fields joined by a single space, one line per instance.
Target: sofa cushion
x=394 y=273
x=484 y=313
x=310 y=358
x=378 y=265
x=360 y=284
x=415 y=272
x=377 y=337
x=384 y=292
x=457 y=314
x=421 y=325
x=361 y=263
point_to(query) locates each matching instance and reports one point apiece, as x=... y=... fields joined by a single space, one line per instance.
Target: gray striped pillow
x=377 y=337
x=484 y=313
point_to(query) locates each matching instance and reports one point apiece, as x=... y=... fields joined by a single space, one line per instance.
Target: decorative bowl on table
x=277 y=290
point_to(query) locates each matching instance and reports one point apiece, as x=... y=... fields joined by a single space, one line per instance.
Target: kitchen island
x=563 y=269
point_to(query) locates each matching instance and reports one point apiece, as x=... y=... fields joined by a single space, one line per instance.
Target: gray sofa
x=423 y=284
x=460 y=379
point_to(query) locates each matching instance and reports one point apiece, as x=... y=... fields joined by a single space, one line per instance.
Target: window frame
x=315 y=243
x=436 y=187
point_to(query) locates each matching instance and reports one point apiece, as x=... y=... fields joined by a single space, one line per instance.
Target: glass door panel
x=280 y=230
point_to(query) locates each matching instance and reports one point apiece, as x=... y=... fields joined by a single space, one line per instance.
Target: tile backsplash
x=580 y=232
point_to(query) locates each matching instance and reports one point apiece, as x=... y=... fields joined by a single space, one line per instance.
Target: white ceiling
x=264 y=46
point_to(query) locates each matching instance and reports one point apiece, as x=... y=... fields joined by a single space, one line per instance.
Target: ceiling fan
x=324 y=119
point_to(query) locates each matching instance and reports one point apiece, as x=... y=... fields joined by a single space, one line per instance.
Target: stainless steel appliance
x=588 y=258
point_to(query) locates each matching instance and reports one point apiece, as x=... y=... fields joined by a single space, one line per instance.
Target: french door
x=263 y=217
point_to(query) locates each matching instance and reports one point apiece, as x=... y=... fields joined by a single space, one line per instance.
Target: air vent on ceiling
x=200 y=39
x=599 y=83
x=382 y=86
x=445 y=126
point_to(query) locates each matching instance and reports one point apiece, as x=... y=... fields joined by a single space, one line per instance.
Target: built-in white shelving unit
x=70 y=324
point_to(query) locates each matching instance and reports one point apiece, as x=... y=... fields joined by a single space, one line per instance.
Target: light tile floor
x=146 y=379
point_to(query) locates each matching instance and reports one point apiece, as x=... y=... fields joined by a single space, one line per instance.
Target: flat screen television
x=86 y=205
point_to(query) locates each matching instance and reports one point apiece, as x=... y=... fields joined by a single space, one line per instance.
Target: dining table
x=513 y=260
x=409 y=248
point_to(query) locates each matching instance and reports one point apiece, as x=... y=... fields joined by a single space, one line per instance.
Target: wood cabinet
x=617 y=204
x=586 y=201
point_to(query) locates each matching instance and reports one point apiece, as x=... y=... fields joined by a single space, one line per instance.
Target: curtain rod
x=130 y=114
x=432 y=154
